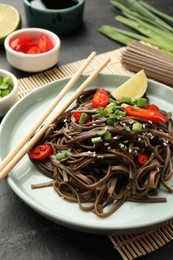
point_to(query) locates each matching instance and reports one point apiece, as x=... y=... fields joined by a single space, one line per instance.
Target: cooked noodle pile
x=100 y=177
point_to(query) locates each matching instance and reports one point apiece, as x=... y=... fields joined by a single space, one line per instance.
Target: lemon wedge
x=134 y=88
x=9 y=21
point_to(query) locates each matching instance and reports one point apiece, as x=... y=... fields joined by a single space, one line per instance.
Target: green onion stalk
x=146 y=23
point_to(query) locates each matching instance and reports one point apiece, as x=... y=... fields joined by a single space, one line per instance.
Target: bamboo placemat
x=28 y=84
x=129 y=246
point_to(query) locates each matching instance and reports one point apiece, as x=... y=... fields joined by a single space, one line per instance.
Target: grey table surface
x=24 y=234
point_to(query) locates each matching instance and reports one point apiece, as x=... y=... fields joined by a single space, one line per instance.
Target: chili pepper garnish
x=31 y=46
x=45 y=43
x=148 y=114
x=142 y=158
x=153 y=107
x=40 y=152
x=100 y=99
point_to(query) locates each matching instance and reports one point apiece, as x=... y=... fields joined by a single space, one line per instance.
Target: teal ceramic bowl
x=59 y=21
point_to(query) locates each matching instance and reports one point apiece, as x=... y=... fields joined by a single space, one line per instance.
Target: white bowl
x=8 y=101
x=33 y=62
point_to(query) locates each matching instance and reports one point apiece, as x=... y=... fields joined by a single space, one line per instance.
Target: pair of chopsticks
x=30 y=139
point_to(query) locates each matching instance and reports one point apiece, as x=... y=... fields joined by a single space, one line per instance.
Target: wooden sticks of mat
x=157 y=65
x=30 y=139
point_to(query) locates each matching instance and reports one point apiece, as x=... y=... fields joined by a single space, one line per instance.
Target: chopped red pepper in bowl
x=32 y=46
x=32 y=49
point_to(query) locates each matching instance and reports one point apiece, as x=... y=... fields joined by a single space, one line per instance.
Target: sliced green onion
x=127 y=100
x=95 y=140
x=110 y=108
x=101 y=132
x=102 y=112
x=95 y=116
x=61 y=156
x=127 y=128
x=124 y=105
x=107 y=135
x=5 y=92
x=83 y=118
x=121 y=113
x=141 y=102
x=3 y=86
x=137 y=127
x=6 y=86
x=112 y=100
x=111 y=119
x=7 y=80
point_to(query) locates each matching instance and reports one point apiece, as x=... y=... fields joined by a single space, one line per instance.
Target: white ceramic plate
x=131 y=217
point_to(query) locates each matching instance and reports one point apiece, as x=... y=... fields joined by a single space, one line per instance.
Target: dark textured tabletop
x=24 y=234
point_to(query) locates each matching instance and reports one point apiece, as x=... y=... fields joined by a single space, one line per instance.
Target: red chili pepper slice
x=40 y=152
x=23 y=44
x=30 y=46
x=34 y=50
x=148 y=114
x=19 y=44
x=45 y=43
x=77 y=116
x=153 y=107
x=100 y=99
x=142 y=158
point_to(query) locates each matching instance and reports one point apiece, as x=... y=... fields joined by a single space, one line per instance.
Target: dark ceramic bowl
x=60 y=21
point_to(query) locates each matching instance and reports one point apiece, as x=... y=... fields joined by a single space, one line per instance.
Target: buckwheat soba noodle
x=96 y=164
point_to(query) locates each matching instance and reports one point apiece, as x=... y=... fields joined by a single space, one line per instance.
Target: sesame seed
x=165 y=144
x=94 y=154
x=100 y=156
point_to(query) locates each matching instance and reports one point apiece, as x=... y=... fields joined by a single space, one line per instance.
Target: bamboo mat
x=129 y=246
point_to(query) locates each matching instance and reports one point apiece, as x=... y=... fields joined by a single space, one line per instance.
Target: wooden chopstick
x=70 y=83
x=17 y=154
